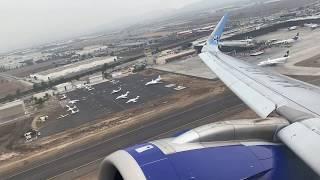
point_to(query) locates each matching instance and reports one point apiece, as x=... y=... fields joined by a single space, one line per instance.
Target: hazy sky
x=27 y=22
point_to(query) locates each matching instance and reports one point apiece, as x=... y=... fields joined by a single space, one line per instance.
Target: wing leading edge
x=265 y=91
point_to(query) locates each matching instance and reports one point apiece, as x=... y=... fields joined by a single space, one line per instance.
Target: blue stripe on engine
x=154 y=164
x=222 y=163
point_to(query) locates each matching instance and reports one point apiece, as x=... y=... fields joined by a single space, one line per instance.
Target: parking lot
x=99 y=102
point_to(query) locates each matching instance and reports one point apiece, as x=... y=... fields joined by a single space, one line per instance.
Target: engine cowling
x=202 y=154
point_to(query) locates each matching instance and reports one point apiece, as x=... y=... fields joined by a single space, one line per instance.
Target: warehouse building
x=169 y=55
x=95 y=79
x=91 y=50
x=63 y=88
x=71 y=70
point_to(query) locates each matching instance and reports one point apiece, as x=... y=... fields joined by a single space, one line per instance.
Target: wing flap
x=303 y=138
x=243 y=90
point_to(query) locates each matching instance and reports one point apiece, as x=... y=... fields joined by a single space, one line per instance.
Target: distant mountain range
x=212 y=4
x=164 y=14
x=160 y=16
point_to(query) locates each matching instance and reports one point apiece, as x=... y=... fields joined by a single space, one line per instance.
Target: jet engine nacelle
x=263 y=129
x=241 y=149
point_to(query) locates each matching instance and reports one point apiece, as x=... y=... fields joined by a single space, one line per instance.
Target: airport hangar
x=71 y=70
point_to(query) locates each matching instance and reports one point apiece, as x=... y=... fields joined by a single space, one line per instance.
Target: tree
x=44 y=84
x=105 y=75
x=105 y=67
x=9 y=97
x=38 y=101
x=47 y=96
x=35 y=86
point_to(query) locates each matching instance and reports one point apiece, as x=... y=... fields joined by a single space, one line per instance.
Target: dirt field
x=8 y=86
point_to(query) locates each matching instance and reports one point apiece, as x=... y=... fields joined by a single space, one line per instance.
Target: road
x=193 y=116
x=8 y=76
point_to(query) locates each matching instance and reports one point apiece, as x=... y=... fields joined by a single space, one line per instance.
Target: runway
x=168 y=124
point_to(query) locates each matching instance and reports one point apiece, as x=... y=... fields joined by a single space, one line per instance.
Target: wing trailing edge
x=243 y=90
x=303 y=138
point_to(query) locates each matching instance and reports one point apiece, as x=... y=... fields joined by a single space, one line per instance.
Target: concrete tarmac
x=100 y=103
x=198 y=114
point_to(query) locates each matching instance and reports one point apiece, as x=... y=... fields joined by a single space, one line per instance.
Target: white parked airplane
x=69 y=108
x=79 y=86
x=63 y=116
x=116 y=91
x=115 y=81
x=89 y=87
x=286 y=42
x=257 y=53
x=63 y=97
x=272 y=62
x=75 y=111
x=133 y=100
x=154 y=81
x=311 y=25
x=292 y=28
x=123 y=96
x=73 y=101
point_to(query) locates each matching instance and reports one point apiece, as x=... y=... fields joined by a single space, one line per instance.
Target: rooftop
x=79 y=65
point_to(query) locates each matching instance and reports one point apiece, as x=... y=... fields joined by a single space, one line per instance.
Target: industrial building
x=63 y=88
x=95 y=79
x=43 y=94
x=12 y=110
x=91 y=50
x=168 y=56
x=71 y=70
x=237 y=45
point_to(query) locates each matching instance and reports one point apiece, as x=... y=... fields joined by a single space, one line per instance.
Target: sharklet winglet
x=214 y=38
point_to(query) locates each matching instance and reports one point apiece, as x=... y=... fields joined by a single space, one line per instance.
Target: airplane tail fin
x=287 y=54
x=214 y=38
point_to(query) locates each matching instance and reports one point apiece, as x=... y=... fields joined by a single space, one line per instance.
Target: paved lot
x=100 y=103
x=191 y=66
x=306 y=48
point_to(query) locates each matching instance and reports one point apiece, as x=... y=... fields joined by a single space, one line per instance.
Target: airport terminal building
x=71 y=70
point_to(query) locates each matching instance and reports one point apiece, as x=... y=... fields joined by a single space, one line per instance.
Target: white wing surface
x=266 y=92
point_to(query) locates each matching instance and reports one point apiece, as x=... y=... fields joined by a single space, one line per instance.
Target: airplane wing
x=266 y=92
